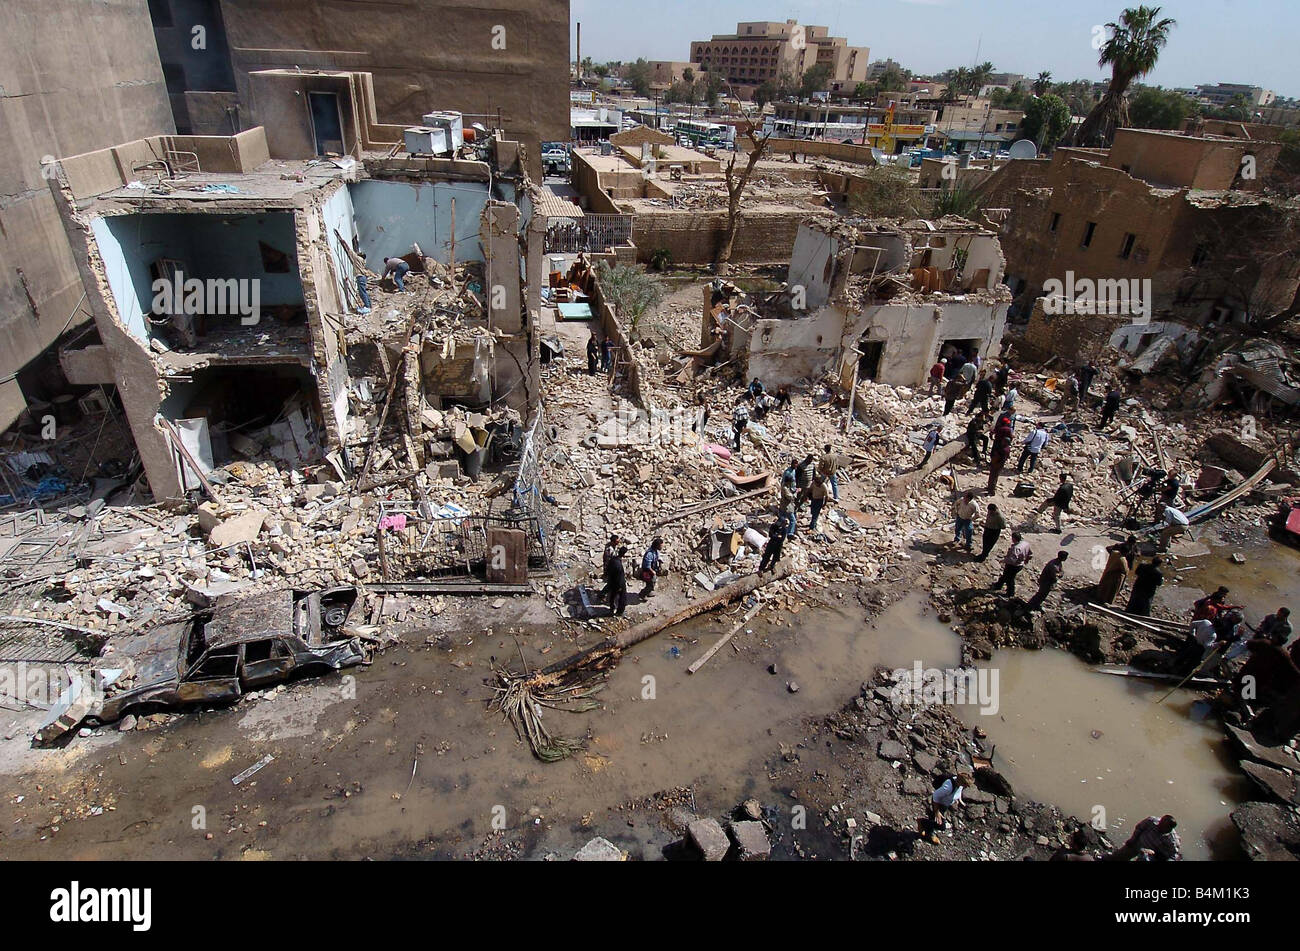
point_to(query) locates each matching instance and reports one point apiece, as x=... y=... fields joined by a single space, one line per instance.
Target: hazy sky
x=1241 y=41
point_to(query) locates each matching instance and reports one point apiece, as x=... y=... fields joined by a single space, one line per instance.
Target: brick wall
x=764 y=237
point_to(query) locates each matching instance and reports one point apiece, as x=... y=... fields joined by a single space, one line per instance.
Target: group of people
x=615 y=572
x=1152 y=839
x=600 y=355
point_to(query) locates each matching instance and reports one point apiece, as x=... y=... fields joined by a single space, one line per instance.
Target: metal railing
x=590 y=233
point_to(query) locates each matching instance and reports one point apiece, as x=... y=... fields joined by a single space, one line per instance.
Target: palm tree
x=1131 y=51
x=980 y=75
x=1043 y=83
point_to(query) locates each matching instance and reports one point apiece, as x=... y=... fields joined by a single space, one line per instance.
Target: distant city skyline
x=1229 y=41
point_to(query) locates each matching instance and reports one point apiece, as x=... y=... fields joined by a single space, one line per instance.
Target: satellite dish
x=1023 y=149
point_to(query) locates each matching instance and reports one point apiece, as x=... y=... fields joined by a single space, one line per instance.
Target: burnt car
x=241 y=644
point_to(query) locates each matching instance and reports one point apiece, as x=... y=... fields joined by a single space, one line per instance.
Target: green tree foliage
x=1131 y=51
x=630 y=290
x=1046 y=119
x=815 y=79
x=638 y=76
x=888 y=192
x=1154 y=108
x=1043 y=83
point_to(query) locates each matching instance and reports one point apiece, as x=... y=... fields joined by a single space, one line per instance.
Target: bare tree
x=736 y=185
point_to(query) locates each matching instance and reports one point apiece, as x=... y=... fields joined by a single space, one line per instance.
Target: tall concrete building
x=506 y=64
x=74 y=76
x=765 y=50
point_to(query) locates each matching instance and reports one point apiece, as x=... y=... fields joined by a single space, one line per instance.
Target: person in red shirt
x=936 y=376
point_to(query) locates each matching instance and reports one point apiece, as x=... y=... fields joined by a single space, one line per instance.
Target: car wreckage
x=215 y=656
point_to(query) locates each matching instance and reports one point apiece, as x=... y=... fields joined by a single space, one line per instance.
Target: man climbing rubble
x=1059 y=502
x=937 y=374
x=1013 y=562
x=1047 y=580
x=1033 y=447
x=397 y=269
x=930 y=444
x=1109 y=407
x=1153 y=840
x=772 y=550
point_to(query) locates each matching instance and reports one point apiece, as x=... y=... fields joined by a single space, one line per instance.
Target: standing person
x=651 y=562
x=1060 y=500
x=1087 y=373
x=964 y=511
x=1153 y=840
x=1110 y=406
x=803 y=480
x=618 y=583
x=1119 y=562
x=994 y=523
x=1148 y=578
x=593 y=355
x=1013 y=562
x=1047 y=579
x=772 y=550
x=1000 y=454
x=966 y=373
x=1071 y=391
x=606 y=355
x=1033 y=445
x=937 y=373
x=829 y=466
x=1001 y=378
x=363 y=288
x=789 y=503
x=1009 y=400
x=739 y=422
x=818 y=494
x=930 y=444
x=952 y=391
x=977 y=440
x=611 y=552
x=983 y=390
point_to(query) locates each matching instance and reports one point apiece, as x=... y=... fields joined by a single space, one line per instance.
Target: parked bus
x=703 y=134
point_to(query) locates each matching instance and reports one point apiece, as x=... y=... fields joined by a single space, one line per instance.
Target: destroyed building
x=880 y=301
x=1185 y=225
x=227 y=311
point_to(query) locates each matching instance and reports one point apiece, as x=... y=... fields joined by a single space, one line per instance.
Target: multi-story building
x=1179 y=217
x=65 y=90
x=1225 y=94
x=506 y=67
x=663 y=73
x=760 y=51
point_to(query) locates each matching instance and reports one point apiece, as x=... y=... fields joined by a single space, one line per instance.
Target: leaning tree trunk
x=1098 y=129
x=652 y=626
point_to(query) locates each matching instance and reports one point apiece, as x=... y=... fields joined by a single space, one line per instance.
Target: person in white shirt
x=1034 y=444
x=944 y=798
x=1175 y=523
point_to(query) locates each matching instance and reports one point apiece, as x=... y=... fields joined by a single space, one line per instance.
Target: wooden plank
x=1117 y=670
x=507 y=555
x=708 y=507
x=725 y=638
